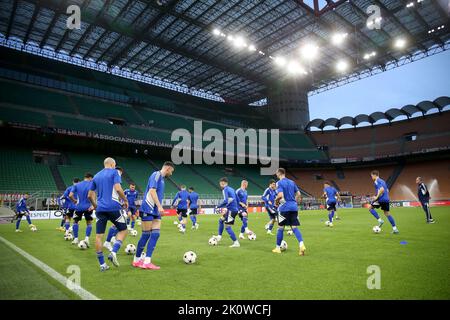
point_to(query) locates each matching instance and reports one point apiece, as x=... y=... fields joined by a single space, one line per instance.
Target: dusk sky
x=426 y=79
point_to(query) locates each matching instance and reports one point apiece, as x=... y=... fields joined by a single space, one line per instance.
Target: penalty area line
x=79 y=291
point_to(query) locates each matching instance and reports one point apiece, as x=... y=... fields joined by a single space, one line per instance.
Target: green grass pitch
x=335 y=266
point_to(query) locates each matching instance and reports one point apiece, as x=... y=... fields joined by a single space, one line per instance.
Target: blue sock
x=100 y=257
x=75 y=230
x=88 y=230
x=192 y=219
x=111 y=233
x=128 y=220
x=142 y=242
x=67 y=225
x=231 y=233
x=152 y=243
x=180 y=218
x=332 y=216
x=18 y=222
x=298 y=234
x=133 y=223
x=270 y=226
x=62 y=222
x=116 y=246
x=391 y=220
x=280 y=232
x=244 y=224
x=221 y=227
x=374 y=213
x=29 y=219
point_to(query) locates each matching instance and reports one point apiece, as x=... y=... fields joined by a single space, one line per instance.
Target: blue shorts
x=116 y=217
x=145 y=216
x=288 y=218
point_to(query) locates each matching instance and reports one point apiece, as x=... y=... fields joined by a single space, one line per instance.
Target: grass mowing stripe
x=82 y=293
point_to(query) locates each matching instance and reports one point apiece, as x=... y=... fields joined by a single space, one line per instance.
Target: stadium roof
x=190 y=43
x=406 y=111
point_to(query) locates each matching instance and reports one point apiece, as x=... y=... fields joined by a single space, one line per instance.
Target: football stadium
x=218 y=150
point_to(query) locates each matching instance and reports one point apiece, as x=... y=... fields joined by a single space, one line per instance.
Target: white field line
x=78 y=290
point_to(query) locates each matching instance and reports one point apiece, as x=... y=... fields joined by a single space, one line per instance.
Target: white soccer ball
x=68 y=237
x=133 y=233
x=327 y=223
x=290 y=232
x=213 y=241
x=130 y=249
x=113 y=239
x=283 y=245
x=33 y=228
x=189 y=257
x=82 y=245
x=252 y=236
x=376 y=229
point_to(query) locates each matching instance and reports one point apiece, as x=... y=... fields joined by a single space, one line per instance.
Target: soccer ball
x=130 y=249
x=82 y=245
x=327 y=223
x=68 y=237
x=283 y=245
x=33 y=228
x=175 y=222
x=290 y=232
x=113 y=239
x=213 y=241
x=376 y=229
x=133 y=233
x=189 y=257
x=252 y=236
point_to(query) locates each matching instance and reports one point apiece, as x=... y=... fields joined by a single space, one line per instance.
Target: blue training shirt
x=81 y=190
x=156 y=181
x=331 y=194
x=21 y=205
x=68 y=203
x=241 y=196
x=289 y=189
x=131 y=197
x=107 y=197
x=183 y=195
x=378 y=184
x=269 y=195
x=229 y=199
x=193 y=200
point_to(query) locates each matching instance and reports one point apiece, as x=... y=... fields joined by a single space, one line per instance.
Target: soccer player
x=331 y=195
x=424 y=198
x=231 y=211
x=151 y=213
x=381 y=200
x=112 y=232
x=287 y=195
x=242 y=199
x=62 y=204
x=132 y=195
x=22 y=210
x=70 y=204
x=83 y=207
x=269 y=202
x=193 y=207
x=106 y=184
x=181 y=198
